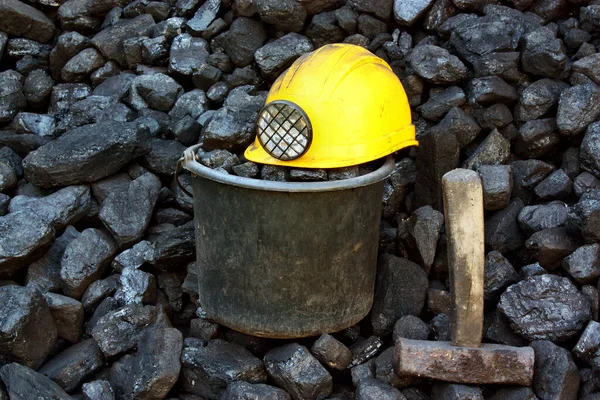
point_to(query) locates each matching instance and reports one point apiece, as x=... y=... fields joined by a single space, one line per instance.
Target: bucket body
x=286 y=264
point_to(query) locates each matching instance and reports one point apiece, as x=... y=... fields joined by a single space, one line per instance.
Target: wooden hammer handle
x=463 y=210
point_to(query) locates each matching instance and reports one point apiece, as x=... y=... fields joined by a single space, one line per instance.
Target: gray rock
x=42 y=125
x=382 y=9
x=545 y=307
x=460 y=124
x=187 y=53
x=499 y=273
x=82 y=65
x=502 y=64
x=86 y=154
x=557 y=185
x=85 y=260
x=550 y=246
x=98 y=291
x=3 y=41
x=362 y=371
x=437 y=154
x=453 y=391
x=589 y=66
x=323 y=29
x=115 y=87
x=208 y=370
x=538 y=98
x=491 y=89
x=23 y=236
x=66 y=94
x=193 y=103
x=20 y=19
x=70 y=367
x=497 y=185
x=276 y=56
x=501 y=229
x=424 y=226
x=243 y=39
x=577 y=108
x=12 y=159
x=400 y=290
x=115 y=183
x=537 y=138
x=331 y=352
x=543 y=216
x=23 y=312
x=8 y=177
x=587 y=346
x=298 y=372
x=584 y=263
x=44 y=273
x=407 y=12
x=120 y=329
x=126 y=214
x=206 y=76
x=370 y=27
x=204 y=16
x=374 y=389
x=4 y=200
x=230 y=128
x=584 y=216
x=590 y=17
x=108 y=70
x=163 y=157
x=22 y=143
x=241 y=390
x=37 y=87
x=110 y=40
x=584 y=183
x=590 y=149
x=497 y=329
x=439 y=104
x=97 y=390
x=59 y=209
x=495 y=116
x=543 y=54
x=437 y=65
x=556 y=375
x=68 y=315
x=203 y=329
x=157 y=91
x=494 y=150
x=12 y=99
x=411 y=327
x=154 y=369
x=174 y=246
x=475 y=37
x=24 y=383
x=286 y=15
x=67 y=46
x=440 y=327
x=136 y=287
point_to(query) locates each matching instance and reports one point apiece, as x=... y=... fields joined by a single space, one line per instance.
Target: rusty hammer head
x=465 y=360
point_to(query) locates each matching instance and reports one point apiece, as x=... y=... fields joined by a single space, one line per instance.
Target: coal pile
x=99 y=98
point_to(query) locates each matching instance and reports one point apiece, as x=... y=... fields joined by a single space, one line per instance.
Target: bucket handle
x=189 y=155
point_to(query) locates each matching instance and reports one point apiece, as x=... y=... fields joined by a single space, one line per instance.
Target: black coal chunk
x=545 y=307
x=293 y=368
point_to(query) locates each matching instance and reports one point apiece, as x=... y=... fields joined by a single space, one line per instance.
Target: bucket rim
x=188 y=161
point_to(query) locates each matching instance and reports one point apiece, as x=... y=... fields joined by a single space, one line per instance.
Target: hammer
x=465 y=359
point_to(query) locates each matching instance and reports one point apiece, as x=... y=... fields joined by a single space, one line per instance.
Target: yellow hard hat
x=335 y=107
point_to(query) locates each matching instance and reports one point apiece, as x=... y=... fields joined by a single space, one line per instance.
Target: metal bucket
x=285 y=259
